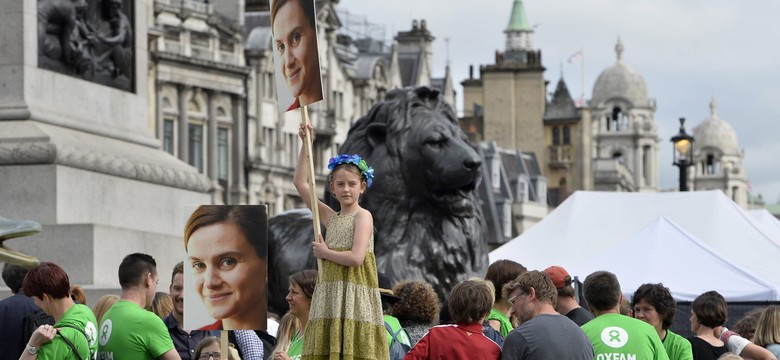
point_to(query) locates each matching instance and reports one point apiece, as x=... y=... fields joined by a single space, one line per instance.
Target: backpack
x=31 y=322
x=397 y=348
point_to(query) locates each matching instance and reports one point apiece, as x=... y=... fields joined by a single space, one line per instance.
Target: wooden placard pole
x=223 y=343
x=312 y=185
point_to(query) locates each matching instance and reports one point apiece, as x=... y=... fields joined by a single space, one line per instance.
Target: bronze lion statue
x=427 y=219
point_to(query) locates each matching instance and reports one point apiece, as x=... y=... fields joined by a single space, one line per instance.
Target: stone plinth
x=82 y=159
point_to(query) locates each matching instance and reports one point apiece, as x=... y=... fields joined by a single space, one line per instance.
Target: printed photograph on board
x=296 y=55
x=225 y=268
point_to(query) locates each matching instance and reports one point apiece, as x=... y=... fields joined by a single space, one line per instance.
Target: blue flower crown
x=366 y=171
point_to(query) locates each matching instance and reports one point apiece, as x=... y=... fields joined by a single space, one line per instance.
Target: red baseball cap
x=559 y=276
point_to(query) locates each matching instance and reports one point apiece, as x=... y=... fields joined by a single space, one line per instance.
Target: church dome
x=620 y=81
x=714 y=132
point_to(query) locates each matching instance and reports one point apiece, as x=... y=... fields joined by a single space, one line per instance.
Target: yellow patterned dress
x=345 y=321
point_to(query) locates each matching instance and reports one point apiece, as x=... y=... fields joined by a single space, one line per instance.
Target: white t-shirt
x=272 y=327
x=734 y=342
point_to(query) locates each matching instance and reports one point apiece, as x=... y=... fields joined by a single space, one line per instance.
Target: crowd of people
x=349 y=310
x=534 y=315
x=46 y=319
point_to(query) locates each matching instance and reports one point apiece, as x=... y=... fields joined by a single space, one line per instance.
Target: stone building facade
x=567 y=133
x=198 y=83
x=625 y=137
x=718 y=159
x=503 y=111
x=506 y=103
x=213 y=103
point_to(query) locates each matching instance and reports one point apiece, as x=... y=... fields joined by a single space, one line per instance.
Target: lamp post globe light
x=683 y=144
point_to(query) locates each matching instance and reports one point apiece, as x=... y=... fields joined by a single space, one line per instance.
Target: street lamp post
x=682 y=154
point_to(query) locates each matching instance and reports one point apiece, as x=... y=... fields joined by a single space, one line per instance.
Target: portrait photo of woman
x=296 y=56
x=225 y=269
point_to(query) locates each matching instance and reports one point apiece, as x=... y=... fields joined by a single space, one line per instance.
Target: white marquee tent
x=701 y=268
x=589 y=225
x=770 y=222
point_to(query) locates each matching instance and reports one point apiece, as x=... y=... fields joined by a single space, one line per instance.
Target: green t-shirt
x=506 y=325
x=616 y=336
x=296 y=347
x=677 y=347
x=403 y=337
x=79 y=316
x=129 y=332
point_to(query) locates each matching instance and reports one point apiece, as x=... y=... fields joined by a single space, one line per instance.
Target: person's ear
x=531 y=293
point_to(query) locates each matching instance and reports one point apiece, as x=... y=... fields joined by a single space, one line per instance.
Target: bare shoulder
x=365 y=214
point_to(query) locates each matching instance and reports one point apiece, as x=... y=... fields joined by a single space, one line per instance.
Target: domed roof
x=715 y=132
x=620 y=81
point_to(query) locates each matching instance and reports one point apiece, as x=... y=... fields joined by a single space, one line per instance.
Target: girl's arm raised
x=364 y=224
x=301 y=179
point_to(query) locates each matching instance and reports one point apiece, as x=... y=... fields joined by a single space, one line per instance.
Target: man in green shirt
x=49 y=287
x=615 y=336
x=127 y=331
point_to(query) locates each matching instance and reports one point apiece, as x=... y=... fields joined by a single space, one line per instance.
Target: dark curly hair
x=660 y=298
x=418 y=303
x=746 y=327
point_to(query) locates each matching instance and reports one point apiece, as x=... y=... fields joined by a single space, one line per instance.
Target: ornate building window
x=196 y=146
x=647 y=167
x=711 y=166
x=269 y=141
x=616 y=120
x=292 y=144
x=556 y=135
x=269 y=88
x=223 y=154
x=172 y=40
x=201 y=45
x=617 y=154
x=522 y=190
x=506 y=223
x=566 y=135
x=168 y=141
x=495 y=172
x=223 y=160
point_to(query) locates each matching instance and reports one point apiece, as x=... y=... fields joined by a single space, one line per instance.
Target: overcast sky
x=687 y=50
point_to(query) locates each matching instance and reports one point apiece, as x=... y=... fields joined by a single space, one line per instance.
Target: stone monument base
x=97 y=198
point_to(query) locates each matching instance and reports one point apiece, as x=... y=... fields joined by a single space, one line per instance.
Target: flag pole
x=315 y=210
